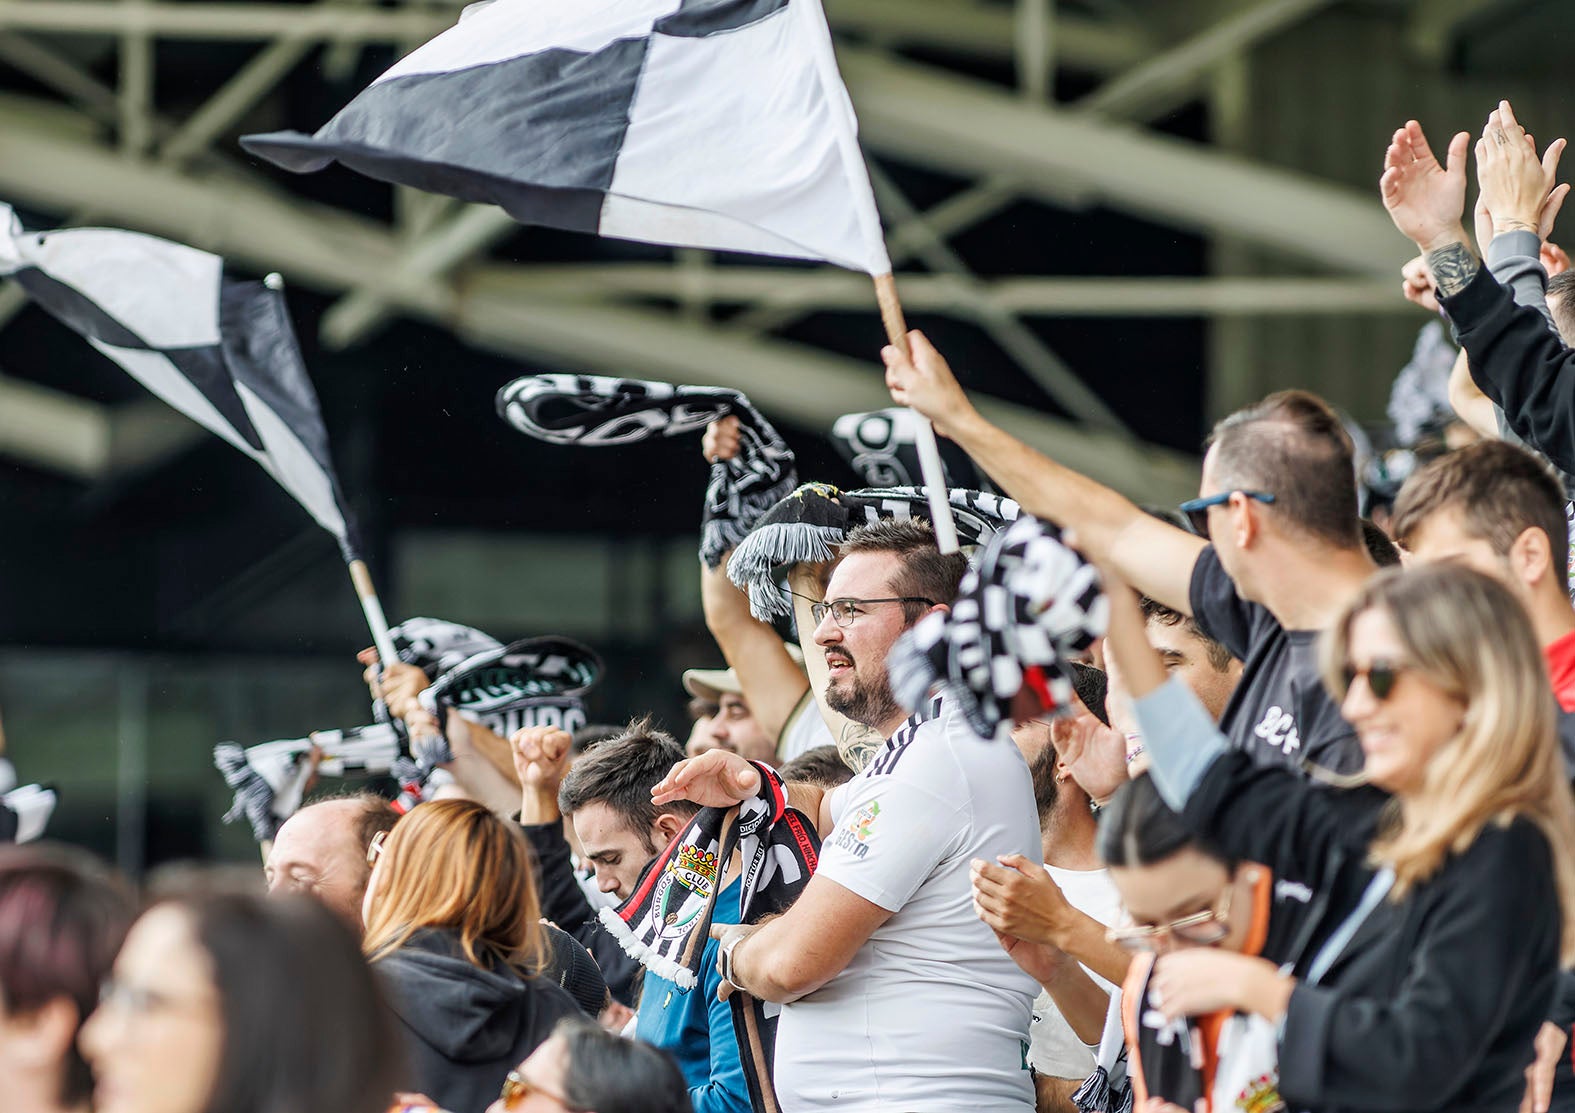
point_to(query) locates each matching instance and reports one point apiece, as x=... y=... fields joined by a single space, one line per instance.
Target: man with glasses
x=895 y=994
x=1278 y=553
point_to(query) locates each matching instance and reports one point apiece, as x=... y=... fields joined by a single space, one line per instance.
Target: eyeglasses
x=1202 y=929
x=844 y=611
x=516 y=1088
x=374 y=850
x=1197 y=510
x=1381 y=677
x=136 y=1000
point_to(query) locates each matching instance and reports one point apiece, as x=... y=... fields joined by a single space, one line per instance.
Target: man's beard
x=869 y=701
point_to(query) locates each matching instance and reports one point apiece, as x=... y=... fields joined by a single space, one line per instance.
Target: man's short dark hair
x=593 y=735
x=1379 y=547
x=925 y=573
x=1154 y=611
x=620 y=773
x=1561 y=286
x=1292 y=445
x=1499 y=491
x=821 y=766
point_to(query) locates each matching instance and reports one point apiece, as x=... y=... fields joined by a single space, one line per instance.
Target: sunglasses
x=1197 y=510
x=1203 y=929
x=1381 y=678
x=516 y=1088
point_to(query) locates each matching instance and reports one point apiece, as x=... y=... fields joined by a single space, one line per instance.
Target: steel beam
x=935 y=118
x=337 y=251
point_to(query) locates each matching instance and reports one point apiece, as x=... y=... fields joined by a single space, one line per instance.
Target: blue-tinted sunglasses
x=1197 y=510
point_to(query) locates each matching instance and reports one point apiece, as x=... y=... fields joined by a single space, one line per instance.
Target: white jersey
x=804 y=730
x=930 y=1014
x=1054 y=1049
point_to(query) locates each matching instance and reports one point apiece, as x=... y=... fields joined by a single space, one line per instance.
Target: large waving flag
x=719 y=124
x=218 y=349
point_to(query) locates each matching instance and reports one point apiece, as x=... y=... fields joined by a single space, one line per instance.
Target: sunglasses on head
x=1381 y=677
x=516 y=1088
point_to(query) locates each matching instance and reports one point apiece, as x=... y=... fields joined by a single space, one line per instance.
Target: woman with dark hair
x=454 y=928
x=1180 y=892
x=1443 y=904
x=582 y=1069
x=231 y=1003
x=62 y=918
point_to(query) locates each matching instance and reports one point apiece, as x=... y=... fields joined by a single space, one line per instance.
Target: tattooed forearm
x=1453 y=267
x=858 y=745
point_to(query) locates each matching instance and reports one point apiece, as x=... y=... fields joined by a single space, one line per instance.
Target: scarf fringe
x=253 y=796
x=660 y=965
x=767 y=548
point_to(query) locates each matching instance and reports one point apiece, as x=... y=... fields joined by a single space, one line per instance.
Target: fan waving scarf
x=811 y=522
x=666 y=921
x=1024 y=610
x=219 y=350
x=533 y=682
x=599 y=410
x=269 y=778
x=718 y=124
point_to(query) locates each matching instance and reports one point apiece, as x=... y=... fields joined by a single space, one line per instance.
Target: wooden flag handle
x=929 y=452
x=372 y=607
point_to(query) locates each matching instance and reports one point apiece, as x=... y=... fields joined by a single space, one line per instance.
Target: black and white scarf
x=600 y=410
x=1024 y=610
x=883 y=447
x=270 y=778
x=666 y=922
x=811 y=522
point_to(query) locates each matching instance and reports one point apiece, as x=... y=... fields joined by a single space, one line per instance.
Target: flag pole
x=361 y=577
x=929 y=452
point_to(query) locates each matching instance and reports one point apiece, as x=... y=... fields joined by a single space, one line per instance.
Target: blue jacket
x=697 y=1029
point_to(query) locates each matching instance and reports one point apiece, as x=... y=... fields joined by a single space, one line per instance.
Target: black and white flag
x=220 y=350
x=719 y=124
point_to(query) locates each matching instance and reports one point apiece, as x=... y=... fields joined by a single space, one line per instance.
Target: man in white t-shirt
x=896 y=996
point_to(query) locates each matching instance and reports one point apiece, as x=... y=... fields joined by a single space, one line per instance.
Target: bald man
x=321 y=851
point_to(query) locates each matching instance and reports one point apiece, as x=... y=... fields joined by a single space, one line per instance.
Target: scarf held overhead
x=600 y=410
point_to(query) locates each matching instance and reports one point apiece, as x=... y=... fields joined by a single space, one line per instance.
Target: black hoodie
x=466 y=1027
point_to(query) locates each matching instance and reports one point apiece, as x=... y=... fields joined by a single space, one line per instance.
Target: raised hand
x=1518 y=188
x=1425 y=200
x=1416 y=283
x=721 y=439
x=1196 y=981
x=541 y=756
x=717 y=779
x=924 y=381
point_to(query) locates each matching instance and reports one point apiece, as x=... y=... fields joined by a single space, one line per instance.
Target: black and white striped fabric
x=717 y=124
x=1026 y=607
x=434 y=646
x=219 y=350
x=812 y=521
x=270 y=778
x=532 y=682
x=882 y=446
x=602 y=410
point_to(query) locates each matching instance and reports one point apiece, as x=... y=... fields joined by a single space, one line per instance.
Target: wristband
x=724 y=958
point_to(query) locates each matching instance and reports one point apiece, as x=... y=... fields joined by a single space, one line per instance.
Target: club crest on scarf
x=1027 y=607
x=684 y=889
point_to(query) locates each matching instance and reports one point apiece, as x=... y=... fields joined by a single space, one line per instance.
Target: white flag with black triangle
x=719 y=124
x=220 y=350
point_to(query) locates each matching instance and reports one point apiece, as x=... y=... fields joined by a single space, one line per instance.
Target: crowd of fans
x=1254 y=805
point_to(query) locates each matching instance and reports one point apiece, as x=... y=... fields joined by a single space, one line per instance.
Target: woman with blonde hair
x=1441 y=905
x=453 y=926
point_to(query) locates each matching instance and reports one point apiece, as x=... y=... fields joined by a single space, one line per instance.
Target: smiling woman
x=1440 y=674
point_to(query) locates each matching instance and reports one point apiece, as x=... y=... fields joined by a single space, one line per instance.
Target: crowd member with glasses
x=453 y=926
x=581 y=1069
x=62 y=918
x=235 y=1003
x=895 y=995
x=1442 y=911
x=1180 y=892
x=1278 y=551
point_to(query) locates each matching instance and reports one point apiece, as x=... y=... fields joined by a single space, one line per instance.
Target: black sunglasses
x=1381 y=677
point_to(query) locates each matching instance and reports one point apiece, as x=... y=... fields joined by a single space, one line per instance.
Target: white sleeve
x=889 y=835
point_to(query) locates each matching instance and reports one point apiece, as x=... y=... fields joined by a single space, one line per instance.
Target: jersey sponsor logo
x=1278 y=729
x=854 y=837
x=690 y=872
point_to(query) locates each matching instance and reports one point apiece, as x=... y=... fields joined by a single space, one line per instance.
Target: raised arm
x=1158 y=558
x=772 y=684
